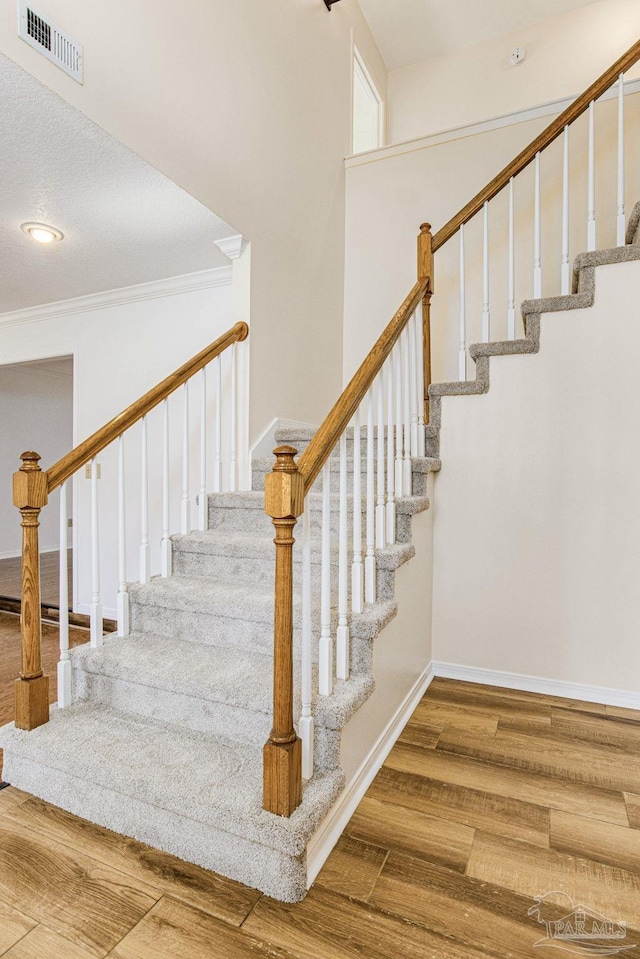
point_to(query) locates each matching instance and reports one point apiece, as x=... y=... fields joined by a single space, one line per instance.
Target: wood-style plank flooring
x=11 y=577
x=490 y=800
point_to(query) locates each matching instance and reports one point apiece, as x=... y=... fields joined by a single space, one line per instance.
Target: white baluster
x=511 y=310
x=397 y=375
x=406 y=415
x=122 y=599
x=537 y=236
x=391 y=463
x=486 y=314
x=217 y=472
x=185 y=512
x=462 y=353
x=325 y=653
x=419 y=381
x=413 y=353
x=166 y=559
x=342 y=636
x=203 y=503
x=145 y=551
x=357 y=569
x=305 y=726
x=95 y=615
x=370 y=559
x=591 y=188
x=64 y=665
x=380 y=504
x=566 y=272
x=233 y=465
x=621 y=221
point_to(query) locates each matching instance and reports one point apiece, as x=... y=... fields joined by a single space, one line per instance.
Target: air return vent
x=52 y=42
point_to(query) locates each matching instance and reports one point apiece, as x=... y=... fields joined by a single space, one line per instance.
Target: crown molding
x=231 y=246
x=552 y=108
x=172 y=286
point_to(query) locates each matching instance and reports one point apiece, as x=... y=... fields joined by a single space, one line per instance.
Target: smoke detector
x=47 y=38
x=517 y=56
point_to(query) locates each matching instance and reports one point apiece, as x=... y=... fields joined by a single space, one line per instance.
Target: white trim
x=172 y=286
x=538 y=684
x=108 y=612
x=332 y=827
x=376 y=98
x=551 y=108
x=15 y=554
x=232 y=246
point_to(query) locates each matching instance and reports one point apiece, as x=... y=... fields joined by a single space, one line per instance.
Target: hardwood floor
x=490 y=800
x=11 y=577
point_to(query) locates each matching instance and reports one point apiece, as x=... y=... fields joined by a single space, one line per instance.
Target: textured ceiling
x=407 y=31
x=124 y=223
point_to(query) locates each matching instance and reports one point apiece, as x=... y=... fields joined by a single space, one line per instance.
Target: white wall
x=124 y=343
x=247 y=106
x=537 y=525
x=564 y=55
x=36 y=412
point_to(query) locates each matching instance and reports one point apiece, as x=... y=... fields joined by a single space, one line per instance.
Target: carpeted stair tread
x=238 y=678
x=254 y=500
x=220 y=598
x=419 y=464
x=251 y=546
x=199 y=777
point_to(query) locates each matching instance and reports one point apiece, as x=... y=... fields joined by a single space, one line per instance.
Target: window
x=368 y=109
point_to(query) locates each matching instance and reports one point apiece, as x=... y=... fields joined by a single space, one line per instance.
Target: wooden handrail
x=576 y=109
x=76 y=459
x=319 y=449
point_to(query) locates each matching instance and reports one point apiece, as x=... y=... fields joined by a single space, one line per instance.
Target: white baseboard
x=84 y=609
x=538 y=684
x=333 y=826
x=13 y=554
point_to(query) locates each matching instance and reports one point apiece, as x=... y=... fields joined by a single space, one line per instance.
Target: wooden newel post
x=32 y=688
x=425 y=269
x=284 y=502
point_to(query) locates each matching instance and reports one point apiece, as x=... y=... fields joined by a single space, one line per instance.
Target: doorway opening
x=36 y=399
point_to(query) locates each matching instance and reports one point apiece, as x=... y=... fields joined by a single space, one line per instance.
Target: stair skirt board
x=331 y=829
x=538 y=684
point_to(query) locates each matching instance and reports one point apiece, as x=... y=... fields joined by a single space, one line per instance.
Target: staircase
x=161 y=731
x=164 y=739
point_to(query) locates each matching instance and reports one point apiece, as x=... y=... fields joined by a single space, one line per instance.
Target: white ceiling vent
x=52 y=42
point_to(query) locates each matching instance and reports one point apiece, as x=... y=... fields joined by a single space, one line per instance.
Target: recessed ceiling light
x=41 y=232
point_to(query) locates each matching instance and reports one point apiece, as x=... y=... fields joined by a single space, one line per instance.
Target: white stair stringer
x=164 y=739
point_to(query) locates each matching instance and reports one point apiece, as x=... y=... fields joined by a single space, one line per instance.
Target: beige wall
x=247 y=106
x=564 y=55
x=537 y=526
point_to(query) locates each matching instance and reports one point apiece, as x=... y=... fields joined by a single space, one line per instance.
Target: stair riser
x=419 y=483
x=220 y=631
x=301 y=443
x=273 y=872
x=261 y=572
x=178 y=709
x=227 y=519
